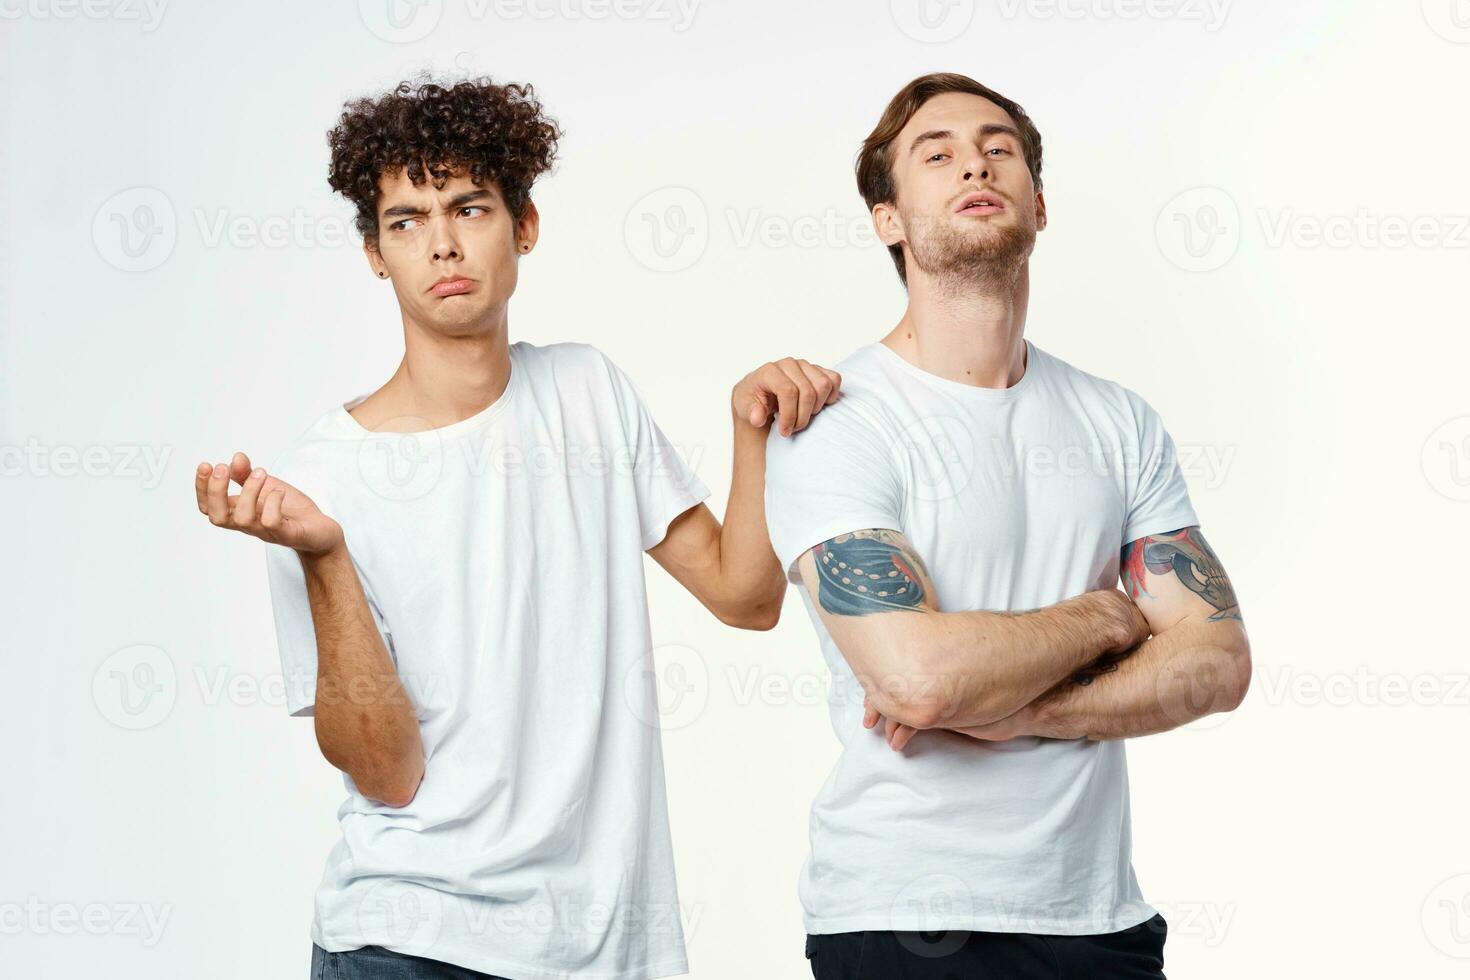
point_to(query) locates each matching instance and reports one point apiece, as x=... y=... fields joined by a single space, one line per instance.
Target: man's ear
x=375 y=258
x=527 y=229
x=888 y=224
x=1040 y=211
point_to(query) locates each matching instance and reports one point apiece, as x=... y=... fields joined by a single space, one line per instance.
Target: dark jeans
x=1136 y=953
x=377 y=963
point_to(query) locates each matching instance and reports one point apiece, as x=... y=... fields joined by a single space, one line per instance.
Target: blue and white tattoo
x=868 y=572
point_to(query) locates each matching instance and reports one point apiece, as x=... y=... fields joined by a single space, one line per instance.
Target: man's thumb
x=759 y=413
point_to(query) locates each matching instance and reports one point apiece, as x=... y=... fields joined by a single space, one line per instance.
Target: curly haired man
x=458 y=580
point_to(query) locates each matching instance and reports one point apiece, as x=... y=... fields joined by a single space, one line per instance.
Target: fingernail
x=221 y=470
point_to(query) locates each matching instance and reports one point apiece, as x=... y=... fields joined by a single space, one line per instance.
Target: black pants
x=1136 y=953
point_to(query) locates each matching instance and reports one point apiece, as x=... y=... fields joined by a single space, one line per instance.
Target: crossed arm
x=1196 y=663
x=1105 y=664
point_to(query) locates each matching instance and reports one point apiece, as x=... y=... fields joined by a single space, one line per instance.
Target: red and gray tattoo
x=1190 y=558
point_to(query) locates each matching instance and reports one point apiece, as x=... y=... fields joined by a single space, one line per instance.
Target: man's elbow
x=910 y=694
x=758 y=613
x=759 y=618
x=385 y=773
x=1238 y=683
x=394 y=789
x=920 y=714
x=1218 y=671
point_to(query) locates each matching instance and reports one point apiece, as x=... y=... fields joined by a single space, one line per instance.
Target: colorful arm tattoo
x=868 y=572
x=1188 y=555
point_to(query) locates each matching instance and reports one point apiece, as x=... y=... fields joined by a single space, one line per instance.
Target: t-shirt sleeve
x=665 y=485
x=836 y=476
x=1158 y=496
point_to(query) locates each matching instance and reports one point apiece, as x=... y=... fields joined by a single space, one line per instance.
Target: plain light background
x=1258 y=220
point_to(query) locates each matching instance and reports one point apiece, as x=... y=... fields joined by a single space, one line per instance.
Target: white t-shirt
x=502 y=557
x=1015 y=499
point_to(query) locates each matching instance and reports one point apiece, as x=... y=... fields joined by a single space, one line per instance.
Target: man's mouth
x=976 y=204
x=451 y=286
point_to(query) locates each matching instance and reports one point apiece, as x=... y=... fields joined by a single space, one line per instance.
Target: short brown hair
x=875 y=159
x=487 y=131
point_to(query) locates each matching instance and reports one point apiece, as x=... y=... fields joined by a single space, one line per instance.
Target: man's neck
x=974 y=337
x=440 y=381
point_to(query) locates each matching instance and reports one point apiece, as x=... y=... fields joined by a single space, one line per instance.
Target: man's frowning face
x=451 y=252
x=966 y=204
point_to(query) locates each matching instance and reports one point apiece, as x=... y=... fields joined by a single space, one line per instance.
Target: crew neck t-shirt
x=502 y=559
x=1015 y=498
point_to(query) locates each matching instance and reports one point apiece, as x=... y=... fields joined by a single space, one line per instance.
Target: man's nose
x=443 y=243
x=975 y=171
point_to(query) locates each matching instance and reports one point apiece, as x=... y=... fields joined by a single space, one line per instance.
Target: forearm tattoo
x=868 y=572
x=1185 y=553
x=1102 y=665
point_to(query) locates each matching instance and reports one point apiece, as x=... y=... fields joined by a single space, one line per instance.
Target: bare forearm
x=365 y=722
x=927 y=668
x=973 y=668
x=1192 y=670
x=751 y=575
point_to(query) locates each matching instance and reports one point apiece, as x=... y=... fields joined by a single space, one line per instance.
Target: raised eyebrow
x=458 y=201
x=989 y=129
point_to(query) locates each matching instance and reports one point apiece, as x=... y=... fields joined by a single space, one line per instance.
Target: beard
x=990 y=257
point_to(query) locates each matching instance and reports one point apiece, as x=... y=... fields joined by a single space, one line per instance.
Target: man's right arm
x=925 y=668
x=365 y=723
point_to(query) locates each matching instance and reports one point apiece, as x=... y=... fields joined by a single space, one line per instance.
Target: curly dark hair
x=475 y=127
